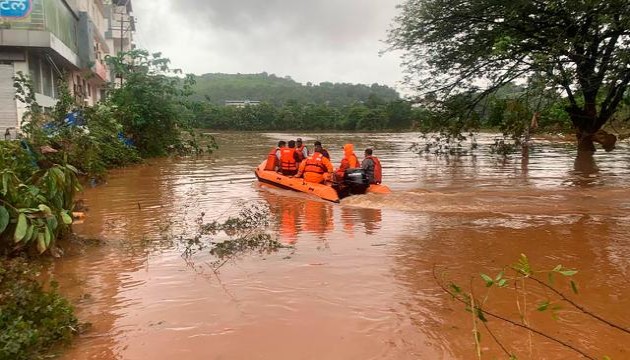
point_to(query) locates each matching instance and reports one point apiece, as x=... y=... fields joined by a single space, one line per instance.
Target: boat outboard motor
x=356 y=181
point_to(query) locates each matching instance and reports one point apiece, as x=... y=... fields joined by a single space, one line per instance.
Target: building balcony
x=16 y=39
x=92 y=47
x=101 y=70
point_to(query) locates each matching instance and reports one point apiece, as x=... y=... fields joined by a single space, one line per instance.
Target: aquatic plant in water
x=226 y=240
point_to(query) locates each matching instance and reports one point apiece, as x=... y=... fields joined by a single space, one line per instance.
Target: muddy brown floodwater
x=358 y=283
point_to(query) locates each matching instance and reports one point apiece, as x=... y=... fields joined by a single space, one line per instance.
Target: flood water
x=358 y=281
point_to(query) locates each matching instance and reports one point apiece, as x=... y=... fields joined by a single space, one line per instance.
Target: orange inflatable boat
x=324 y=191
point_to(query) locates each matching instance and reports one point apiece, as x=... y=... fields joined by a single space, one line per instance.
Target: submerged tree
x=582 y=47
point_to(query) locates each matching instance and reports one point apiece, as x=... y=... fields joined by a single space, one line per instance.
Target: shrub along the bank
x=143 y=117
x=151 y=106
x=32 y=319
x=96 y=146
x=87 y=138
x=35 y=203
x=39 y=178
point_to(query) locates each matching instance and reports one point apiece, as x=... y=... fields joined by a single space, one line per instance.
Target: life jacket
x=378 y=169
x=314 y=164
x=301 y=151
x=287 y=159
x=272 y=160
x=298 y=150
x=350 y=157
x=353 y=161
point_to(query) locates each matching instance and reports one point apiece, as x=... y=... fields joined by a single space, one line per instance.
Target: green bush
x=94 y=148
x=35 y=203
x=32 y=319
x=14 y=156
x=151 y=103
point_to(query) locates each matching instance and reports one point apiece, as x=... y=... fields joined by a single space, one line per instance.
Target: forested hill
x=217 y=88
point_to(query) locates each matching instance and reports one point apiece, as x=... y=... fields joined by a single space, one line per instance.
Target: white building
x=241 y=103
x=121 y=25
x=50 y=40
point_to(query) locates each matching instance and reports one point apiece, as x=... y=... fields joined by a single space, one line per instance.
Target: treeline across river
x=509 y=111
x=275 y=90
x=374 y=114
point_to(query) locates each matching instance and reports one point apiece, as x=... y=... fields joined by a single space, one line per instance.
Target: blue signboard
x=15 y=8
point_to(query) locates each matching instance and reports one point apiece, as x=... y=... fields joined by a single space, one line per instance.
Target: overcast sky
x=309 y=40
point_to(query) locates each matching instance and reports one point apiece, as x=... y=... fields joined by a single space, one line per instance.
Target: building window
x=35 y=72
x=47 y=79
x=78 y=90
x=89 y=86
x=57 y=81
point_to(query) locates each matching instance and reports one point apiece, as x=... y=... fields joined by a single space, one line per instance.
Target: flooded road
x=358 y=281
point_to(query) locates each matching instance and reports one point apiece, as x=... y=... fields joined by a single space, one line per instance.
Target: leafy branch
x=246 y=233
x=578 y=306
x=520 y=272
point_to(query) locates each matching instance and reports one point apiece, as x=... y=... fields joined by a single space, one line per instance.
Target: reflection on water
x=586 y=171
x=370 y=219
x=357 y=283
x=306 y=215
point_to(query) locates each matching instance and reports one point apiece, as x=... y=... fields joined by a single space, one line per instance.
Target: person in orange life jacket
x=289 y=160
x=273 y=158
x=281 y=144
x=316 y=168
x=349 y=161
x=324 y=151
x=372 y=166
x=301 y=148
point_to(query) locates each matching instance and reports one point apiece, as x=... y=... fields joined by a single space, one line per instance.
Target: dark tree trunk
x=588 y=132
x=585 y=142
x=583 y=131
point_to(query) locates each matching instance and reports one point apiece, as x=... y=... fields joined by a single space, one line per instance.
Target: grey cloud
x=316 y=41
x=334 y=21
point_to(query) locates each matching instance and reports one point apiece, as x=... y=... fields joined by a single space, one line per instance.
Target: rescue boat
x=324 y=191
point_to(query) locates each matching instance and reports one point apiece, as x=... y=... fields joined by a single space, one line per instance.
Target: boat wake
x=542 y=202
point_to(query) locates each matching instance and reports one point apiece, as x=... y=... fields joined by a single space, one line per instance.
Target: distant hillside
x=277 y=90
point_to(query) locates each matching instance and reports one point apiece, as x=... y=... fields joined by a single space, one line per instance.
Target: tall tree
x=581 y=46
